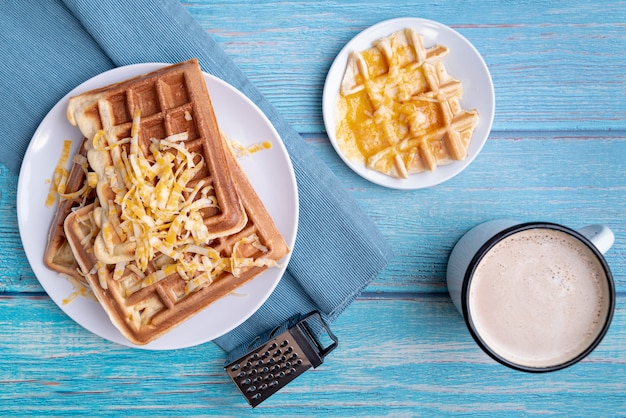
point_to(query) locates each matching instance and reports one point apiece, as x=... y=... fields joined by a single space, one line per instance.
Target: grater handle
x=305 y=330
x=279 y=356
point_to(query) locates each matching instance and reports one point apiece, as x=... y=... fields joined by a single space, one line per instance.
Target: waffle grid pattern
x=145 y=303
x=416 y=104
x=171 y=101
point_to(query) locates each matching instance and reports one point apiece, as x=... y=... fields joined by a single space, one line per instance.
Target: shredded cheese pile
x=150 y=216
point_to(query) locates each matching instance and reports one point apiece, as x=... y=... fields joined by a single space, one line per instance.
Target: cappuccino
x=539 y=298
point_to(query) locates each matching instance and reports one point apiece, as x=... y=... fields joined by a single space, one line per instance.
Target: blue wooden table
x=556 y=153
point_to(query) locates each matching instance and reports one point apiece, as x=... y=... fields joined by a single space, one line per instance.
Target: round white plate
x=463 y=62
x=269 y=171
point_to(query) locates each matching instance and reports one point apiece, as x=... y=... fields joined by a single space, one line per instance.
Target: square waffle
x=165 y=222
x=173 y=100
x=143 y=310
x=399 y=110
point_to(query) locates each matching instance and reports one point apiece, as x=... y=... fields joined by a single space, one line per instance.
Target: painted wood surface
x=556 y=153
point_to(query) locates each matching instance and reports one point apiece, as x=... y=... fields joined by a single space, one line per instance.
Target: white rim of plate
x=475 y=78
x=101 y=326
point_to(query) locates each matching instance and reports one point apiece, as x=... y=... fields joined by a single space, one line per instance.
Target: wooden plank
x=407 y=356
x=15 y=272
x=570 y=179
x=404 y=351
x=573 y=179
x=555 y=66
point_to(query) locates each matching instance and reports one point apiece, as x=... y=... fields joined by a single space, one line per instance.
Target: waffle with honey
x=146 y=303
x=399 y=110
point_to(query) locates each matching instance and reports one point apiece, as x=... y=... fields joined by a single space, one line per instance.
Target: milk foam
x=539 y=298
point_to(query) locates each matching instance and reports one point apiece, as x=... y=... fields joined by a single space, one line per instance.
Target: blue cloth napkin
x=52 y=46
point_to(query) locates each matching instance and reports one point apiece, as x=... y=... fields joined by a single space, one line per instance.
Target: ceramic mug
x=536 y=296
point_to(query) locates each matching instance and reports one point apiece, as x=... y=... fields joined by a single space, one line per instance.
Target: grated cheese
x=79 y=290
x=242 y=151
x=60 y=175
x=151 y=224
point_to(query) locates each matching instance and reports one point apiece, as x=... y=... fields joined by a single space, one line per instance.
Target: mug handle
x=600 y=235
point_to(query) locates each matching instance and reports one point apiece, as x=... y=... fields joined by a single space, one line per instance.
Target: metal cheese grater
x=276 y=358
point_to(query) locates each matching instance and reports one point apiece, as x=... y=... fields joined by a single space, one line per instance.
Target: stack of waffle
x=169 y=222
x=400 y=107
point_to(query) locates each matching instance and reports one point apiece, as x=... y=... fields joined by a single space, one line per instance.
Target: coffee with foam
x=539 y=298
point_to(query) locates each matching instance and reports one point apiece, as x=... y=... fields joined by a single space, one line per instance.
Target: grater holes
x=268 y=369
x=274 y=364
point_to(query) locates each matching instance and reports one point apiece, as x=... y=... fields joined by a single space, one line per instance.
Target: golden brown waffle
x=58 y=255
x=170 y=101
x=143 y=311
x=399 y=109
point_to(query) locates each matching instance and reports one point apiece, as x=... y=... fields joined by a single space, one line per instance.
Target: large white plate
x=269 y=171
x=463 y=63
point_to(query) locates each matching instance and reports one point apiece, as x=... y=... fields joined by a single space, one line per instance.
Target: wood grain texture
x=409 y=356
x=556 y=154
x=555 y=66
x=569 y=178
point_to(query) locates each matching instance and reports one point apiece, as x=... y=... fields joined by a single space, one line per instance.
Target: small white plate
x=269 y=171
x=463 y=63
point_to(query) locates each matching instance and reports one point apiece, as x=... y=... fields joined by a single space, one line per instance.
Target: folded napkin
x=50 y=47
